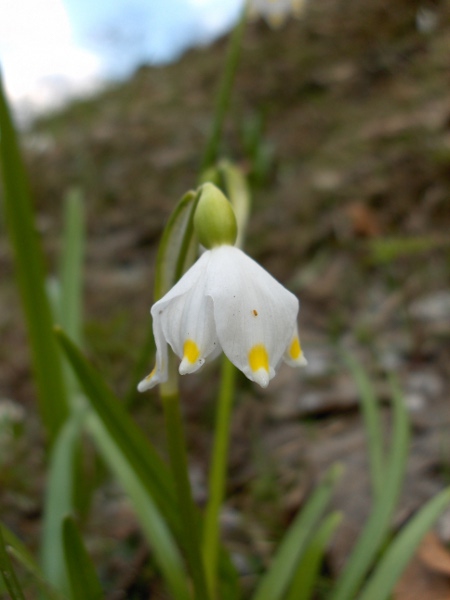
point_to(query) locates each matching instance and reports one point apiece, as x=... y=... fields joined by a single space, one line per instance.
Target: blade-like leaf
x=402 y=548
x=83 y=580
x=372 y=424
x=304 y=580
x=150 y=518
x=377 y=527
x=71 y=268
x=30 y=276
x=145 y=461
x=7 y=572
x=59 y=499
x=276 y=581
x=177 y=246
x=18 y=550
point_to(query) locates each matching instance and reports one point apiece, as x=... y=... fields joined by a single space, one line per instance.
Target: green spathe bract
x=214 y=219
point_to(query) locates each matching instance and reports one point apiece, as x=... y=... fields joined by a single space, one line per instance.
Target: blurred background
x=51 y=50
x=341 y=121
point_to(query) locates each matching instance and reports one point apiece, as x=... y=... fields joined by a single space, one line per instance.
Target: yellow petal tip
x=148 y=382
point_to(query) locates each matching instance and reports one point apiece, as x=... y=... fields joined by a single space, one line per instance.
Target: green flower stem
x=178 y=460
x=218 y=468
x=225 y=89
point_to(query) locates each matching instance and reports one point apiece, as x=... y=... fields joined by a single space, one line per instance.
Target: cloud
x=41 y=63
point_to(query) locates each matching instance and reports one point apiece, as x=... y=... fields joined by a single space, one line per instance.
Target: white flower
x=226 y=301
x=276 y=11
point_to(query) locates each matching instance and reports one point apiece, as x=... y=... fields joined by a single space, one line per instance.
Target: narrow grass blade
x=59 y=500
x=402 y=548
x=8 y=574
x=377 y=527
x=83 y=580
x=305 y=578
x=150 y=518
x=372 y=424
x=276 y=581
x=18 y=550
x=71 y=268
x=229 y=582
x=30 y=276
x=152 y=472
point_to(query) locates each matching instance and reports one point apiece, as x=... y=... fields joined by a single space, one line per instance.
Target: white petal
x=254 y=314
x=187 y=282
x=187 y=319
x=159 y=373
x=293 y=354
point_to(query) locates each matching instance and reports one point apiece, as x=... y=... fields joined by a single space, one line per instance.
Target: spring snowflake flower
x=226 y=301
x=276 y=11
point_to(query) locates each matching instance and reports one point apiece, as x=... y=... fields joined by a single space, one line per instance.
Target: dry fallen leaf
x=363 y=220
x=427 y=577
x=434 y=554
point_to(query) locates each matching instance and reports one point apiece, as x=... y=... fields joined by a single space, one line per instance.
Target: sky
x=52 y=49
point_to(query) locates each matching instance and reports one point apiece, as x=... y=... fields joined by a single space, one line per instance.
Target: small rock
x=433 y=307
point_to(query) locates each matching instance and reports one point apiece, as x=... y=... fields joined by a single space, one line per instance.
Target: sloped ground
x=351 y=172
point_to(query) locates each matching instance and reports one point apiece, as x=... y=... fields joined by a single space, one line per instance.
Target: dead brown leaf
x=434 y=554
x=428 y=574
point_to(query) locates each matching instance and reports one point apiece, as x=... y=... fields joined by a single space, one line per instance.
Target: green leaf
x=150 y=518
x=276 y=581
x=59 y=499
x=7 y=572
x=18 y=550
x=31 y=280
x=372 y=424
x=377 y=528
x=229 y=583
x=136 y=464
x=402 y=549
x=176 y=250
x=83 y=580
x=152 y=472
x=386 y=250
x=305 y=578
x=71 y=268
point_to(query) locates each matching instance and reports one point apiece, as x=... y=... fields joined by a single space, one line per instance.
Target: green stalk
x=224 y=94
x=218 y=473
x=179 y=464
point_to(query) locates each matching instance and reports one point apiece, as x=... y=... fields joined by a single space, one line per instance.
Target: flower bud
x=214 y=219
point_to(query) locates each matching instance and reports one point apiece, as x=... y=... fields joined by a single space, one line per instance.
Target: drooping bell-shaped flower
x=225 y=302
x=276 y=11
